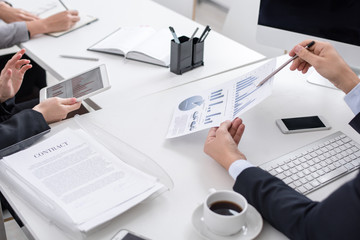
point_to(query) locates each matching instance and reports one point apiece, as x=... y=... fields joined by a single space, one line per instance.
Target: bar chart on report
x=242 y=91
x=215 y=107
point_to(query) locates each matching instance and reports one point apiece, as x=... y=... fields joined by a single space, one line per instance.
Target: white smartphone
x=124 y=234
x=302 y=124
x=81 y=86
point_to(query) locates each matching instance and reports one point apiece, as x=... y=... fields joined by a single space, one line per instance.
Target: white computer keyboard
x=314 y=165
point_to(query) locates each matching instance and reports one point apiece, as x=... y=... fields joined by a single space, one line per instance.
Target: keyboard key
x=297 y=183
x=296 y=162
x=349 y=166
x=288 y=180
x=308 y=186
x=315 y=183
x=272 y=172
x=356 y=162
x=281 y=176
x=302 y=189
x=332 y=174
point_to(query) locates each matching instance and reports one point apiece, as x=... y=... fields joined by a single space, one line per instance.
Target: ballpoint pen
x=79 y=57
x=207 y=32
x=282 y=66
x=193 y=35
x=63 y=5
x=176 y=39
x=203 y=33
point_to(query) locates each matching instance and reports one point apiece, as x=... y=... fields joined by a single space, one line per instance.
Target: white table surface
x=144 y=123
x=132 y=79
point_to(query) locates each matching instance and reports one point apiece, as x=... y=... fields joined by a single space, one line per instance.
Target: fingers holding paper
x=222 y=142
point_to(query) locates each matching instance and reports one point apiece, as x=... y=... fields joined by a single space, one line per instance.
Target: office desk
x=144 y=123
x=131 y=79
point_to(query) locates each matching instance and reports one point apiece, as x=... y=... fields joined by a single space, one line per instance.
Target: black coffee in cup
x=225 y=208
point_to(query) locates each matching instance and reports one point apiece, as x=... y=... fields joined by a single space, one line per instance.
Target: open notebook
x=141 y=43
x=52 y=8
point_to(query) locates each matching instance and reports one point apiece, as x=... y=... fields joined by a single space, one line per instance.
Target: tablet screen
x=78 y=86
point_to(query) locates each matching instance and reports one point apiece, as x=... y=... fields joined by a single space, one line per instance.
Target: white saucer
x=253 y=226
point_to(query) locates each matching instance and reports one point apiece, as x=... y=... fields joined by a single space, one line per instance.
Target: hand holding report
x=225 y=102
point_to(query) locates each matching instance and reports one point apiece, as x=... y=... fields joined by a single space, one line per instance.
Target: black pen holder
x=186 y=55
x=181 y=55
x=198 y=53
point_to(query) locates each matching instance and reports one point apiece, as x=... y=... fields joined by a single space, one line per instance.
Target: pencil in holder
x=198 y=53
x=181 y=55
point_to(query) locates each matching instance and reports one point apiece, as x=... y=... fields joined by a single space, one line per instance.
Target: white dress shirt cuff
x=352 y=99
x=237 y=167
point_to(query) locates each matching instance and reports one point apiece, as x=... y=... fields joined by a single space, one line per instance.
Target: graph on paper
x=225 y=102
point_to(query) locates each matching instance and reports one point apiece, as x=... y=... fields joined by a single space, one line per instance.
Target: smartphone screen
x=303 y=123
x=130 y=236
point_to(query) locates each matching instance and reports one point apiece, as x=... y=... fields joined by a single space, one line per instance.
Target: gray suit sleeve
x=12 y=33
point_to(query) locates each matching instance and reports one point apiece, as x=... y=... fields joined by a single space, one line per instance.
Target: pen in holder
x=181 y=55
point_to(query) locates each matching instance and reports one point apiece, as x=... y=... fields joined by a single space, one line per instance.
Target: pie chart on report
x=191 y=103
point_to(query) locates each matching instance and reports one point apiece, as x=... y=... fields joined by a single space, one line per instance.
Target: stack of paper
x=76 y=182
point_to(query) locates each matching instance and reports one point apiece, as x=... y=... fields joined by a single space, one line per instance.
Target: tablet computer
x=81 y=86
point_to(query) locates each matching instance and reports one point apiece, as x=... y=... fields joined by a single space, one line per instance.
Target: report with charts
x=75 y=182
x=225 y=102
x=141 y=43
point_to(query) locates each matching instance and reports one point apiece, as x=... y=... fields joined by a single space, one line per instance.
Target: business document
x=225 y=102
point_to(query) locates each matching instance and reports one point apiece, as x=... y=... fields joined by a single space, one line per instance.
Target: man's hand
x=327 y=62
x=222 y=142
x=9 y=14
x=12 y=75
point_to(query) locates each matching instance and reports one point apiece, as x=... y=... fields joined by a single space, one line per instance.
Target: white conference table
x=132 y=79
x=144 y=123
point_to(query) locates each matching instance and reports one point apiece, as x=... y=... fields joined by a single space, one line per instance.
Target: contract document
x=76 y=182
x=225 y=102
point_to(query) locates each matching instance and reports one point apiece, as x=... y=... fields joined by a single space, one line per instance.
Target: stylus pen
x=282 y=66
x=206 y=34
x=193 y=35
x=79 y=57
x=203 y=33
x=176 y=39
x=63 y=4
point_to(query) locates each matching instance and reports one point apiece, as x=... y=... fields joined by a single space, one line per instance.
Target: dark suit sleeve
x=295 y=215
x=355 y=123
x=20 y=126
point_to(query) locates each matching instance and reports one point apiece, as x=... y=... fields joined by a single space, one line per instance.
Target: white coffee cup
x=220 y=224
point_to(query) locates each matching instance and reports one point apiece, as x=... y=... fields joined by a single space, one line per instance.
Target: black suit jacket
x=295 y=215
x=19 y=122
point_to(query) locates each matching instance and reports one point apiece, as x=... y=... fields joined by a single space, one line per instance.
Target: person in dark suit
x=21 y=121
x=295 y=215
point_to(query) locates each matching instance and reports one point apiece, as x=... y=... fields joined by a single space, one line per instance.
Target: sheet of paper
x=81 y=177
x=157 y=46
x=124 y=39
x=225 y=102
x=36 y=7
x=47 y=9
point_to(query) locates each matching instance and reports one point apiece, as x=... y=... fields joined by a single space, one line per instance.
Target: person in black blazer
x=295 y=215
x=21 y=121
